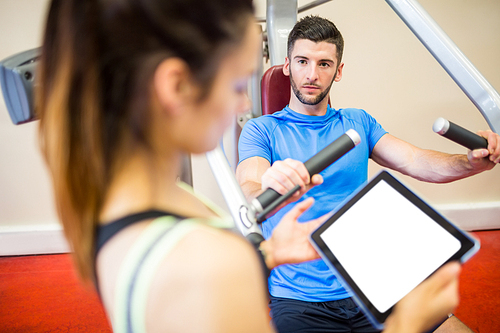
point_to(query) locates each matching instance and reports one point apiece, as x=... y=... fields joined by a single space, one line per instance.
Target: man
x=307 y=297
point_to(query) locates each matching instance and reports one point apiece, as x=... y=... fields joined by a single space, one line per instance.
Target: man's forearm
x=436 y=167
x=251 y=190
x=428 y=165
x=249 y=175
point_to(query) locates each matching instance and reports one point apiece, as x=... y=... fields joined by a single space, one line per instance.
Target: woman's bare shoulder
x=210 y=276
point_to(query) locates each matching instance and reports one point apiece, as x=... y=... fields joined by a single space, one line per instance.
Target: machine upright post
x=281 y=17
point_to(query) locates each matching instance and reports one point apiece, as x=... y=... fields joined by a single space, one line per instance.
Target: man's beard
x=303 y=99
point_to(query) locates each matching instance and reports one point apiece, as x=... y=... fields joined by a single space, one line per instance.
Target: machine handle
x=459 y=134
x=270 y=199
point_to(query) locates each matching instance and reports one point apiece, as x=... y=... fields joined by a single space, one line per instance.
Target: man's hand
x=289 y=243
x=255 y=175
x=486 y=159
x=284 y=175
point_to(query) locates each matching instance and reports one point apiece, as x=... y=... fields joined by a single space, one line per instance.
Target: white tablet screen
x=388 y=245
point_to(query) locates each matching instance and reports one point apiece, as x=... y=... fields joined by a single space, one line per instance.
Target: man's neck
x=310 y=110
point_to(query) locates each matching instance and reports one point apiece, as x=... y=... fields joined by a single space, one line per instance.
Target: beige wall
x=25 y=194
x=387 y=72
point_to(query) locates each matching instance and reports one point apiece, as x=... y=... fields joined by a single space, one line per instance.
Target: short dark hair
x=316 y=29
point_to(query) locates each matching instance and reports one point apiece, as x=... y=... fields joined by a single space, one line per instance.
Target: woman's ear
x=172 y=85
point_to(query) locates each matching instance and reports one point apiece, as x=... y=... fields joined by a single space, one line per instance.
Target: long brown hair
x=92 y=93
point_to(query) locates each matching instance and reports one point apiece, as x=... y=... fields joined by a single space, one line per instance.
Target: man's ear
x=286 y=67
x=172 y=84
x=338 y=77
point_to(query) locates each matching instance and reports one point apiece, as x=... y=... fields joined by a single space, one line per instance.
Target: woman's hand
x=289 y=242
x=428 y=303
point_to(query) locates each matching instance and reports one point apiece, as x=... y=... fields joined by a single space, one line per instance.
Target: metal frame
x=282 y=16
x=243 y=214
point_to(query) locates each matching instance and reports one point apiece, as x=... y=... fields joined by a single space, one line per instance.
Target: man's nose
x=312 y=74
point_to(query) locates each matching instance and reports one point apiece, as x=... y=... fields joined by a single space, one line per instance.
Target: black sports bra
x=105 y=232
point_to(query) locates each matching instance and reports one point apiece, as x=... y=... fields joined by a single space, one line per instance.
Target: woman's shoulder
x=209 y=271
x=207 y=251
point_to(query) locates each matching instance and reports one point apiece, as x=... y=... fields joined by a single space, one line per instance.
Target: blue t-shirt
x=288 y=134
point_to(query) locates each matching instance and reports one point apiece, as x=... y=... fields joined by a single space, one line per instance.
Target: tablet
x=384 y=241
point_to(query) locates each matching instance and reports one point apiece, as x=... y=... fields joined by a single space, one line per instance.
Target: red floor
x=480 y=286
x=42 y=293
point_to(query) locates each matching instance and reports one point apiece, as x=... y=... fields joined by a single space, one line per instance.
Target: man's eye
x=302 y=62
x=325 y=64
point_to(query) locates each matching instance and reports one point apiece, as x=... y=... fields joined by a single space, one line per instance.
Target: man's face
x=312 y=67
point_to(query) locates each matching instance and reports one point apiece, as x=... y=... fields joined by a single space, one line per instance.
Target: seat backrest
x=275 y=88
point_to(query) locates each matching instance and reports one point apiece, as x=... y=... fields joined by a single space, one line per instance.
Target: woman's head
x=101 y=89
x=192 y=120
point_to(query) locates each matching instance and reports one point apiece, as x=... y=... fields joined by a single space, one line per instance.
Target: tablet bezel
x=468 y=245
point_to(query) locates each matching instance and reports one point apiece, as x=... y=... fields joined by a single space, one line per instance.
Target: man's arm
x=249 y=175
x=433 y=166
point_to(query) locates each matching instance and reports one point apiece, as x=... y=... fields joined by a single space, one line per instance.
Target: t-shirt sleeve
x=373 y=130
x=254 y=141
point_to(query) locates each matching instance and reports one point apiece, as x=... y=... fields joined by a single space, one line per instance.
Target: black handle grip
x=267 y=197
x=459 y=134
x=315 y=164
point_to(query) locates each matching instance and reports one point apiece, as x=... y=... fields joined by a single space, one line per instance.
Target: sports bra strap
x=107 y=231
x=138 y=270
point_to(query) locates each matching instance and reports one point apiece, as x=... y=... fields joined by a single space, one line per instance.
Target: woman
x=126 y=88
